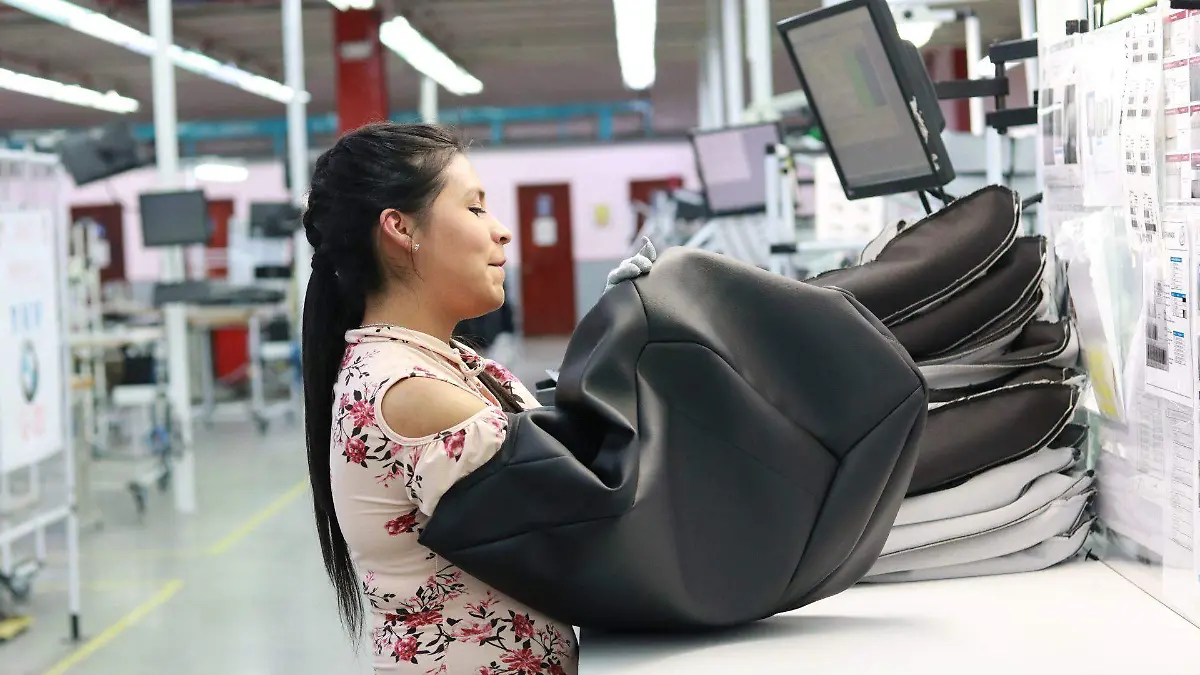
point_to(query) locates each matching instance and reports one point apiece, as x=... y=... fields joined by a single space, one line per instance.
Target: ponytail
x=509 y=402
x=326 y=321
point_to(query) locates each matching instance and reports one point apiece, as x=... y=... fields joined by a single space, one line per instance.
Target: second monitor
x=174 y=218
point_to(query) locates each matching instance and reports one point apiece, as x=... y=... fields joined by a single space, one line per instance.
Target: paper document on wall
x=1103 y=62
x=31 y=377
x=1169 y=342
x=1059 y=113
x=1140 y=122
x=1181 y=104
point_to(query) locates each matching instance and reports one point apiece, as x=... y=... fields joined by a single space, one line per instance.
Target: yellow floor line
x=98 y=585
x=258 y=519
x=59 y=558
x=111 y=633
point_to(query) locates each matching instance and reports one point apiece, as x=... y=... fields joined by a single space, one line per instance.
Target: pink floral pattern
x=447 y=622
x=453 y=443
x=403 y=525
x=419 y=629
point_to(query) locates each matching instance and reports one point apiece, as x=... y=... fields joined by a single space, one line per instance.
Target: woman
x=396 y=412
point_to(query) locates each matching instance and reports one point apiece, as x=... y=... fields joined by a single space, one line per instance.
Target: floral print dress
x=427 y=616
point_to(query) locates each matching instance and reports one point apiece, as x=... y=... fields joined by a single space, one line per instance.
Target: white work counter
x=1076 y=618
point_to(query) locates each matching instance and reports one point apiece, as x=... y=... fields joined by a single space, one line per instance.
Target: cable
x=925 y=202
x=942 y=196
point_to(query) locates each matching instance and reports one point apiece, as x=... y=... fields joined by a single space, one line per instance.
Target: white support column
x=703 y=112
x=166 y=143
x=758 y=52
x=429 y=100
x=1028 y=15
x=714 y=80
x=731 y=51
x=974 y=56
x=297 y=140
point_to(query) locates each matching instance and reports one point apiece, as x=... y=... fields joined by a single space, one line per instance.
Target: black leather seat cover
x=973 y=434
x=966 y=315
x=725 y=444
x=935 y=257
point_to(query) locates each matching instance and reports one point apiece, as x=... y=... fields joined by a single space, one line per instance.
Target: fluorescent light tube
x=636 y=21
x=110 y=30
x=917 y=32
x=344 y=5
x=74 y=94
x=399 y=36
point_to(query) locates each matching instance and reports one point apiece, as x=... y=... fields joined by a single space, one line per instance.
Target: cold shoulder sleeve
x=428 y=466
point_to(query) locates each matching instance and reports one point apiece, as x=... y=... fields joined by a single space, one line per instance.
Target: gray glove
x=632 y=268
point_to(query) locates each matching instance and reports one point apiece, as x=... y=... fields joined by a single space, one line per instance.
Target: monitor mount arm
x=1002 y=118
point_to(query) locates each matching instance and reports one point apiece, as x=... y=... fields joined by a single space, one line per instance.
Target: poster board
x=31 y=377
x=1146 y=460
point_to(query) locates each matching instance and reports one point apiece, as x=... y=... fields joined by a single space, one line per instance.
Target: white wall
x=265 y=184
x=599 y=175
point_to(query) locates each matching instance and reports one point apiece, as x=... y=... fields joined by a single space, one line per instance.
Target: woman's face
x=460 y=261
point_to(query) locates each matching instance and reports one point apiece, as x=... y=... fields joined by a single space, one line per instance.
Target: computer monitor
x=102 y=152
x=273 y=220
x=872 y=99
x=174 y=218
x=730 y=164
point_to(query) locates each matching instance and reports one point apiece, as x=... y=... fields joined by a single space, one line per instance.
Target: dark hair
x=376 y=167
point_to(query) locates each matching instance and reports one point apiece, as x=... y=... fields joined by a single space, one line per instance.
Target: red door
x=644 y=190
x=231 y=349
x=547 y=261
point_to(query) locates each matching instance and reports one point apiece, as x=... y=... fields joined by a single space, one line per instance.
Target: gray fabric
x=1055 y=550
x=1058 y=516
x=1043 y=491
x=989 y=490
x=634 y=266
x=1058 y=345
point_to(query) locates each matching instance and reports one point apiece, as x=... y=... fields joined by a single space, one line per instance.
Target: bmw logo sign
x=29 y=371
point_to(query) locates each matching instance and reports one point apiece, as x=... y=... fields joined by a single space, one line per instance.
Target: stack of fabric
x=998 y=486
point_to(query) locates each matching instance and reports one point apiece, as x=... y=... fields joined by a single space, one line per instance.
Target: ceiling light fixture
x=917 y=32
x=399 y=36
x=636 y=21
x=344 y=5
x=110 y=30
x=74 y=94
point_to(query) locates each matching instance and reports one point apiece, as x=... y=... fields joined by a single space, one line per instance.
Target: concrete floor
x=236 y=589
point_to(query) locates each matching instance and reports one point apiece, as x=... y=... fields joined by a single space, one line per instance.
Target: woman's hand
x=632 y=268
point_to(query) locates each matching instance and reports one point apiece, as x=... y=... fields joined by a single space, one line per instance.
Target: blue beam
x=194 y=132
x=326 y=124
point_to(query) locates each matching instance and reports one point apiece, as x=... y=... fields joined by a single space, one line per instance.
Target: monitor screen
x=174 y=218
x=855 y=90
x=731 y=166
x=100 y=153
x=273 y=219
